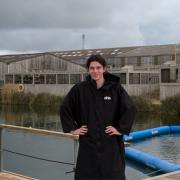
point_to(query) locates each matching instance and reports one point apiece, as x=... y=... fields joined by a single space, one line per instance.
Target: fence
x=42 y=132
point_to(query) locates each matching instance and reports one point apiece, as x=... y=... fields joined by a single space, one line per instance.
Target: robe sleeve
x=127 y=112
x=67 y=111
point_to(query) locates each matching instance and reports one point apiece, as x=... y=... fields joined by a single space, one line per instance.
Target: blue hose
x=150 y=161
x=147 y=159
x=134 y=136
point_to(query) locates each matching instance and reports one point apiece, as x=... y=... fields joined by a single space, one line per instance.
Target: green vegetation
x=168 y=108
x=146 y=105
x=38 y=103
x=49 y=101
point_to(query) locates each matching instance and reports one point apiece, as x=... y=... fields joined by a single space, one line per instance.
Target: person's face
x=96 y=70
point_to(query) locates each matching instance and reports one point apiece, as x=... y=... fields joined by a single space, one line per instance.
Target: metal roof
x=18 y=57
x=154 y=50
x=84 y=54
x=105 y=52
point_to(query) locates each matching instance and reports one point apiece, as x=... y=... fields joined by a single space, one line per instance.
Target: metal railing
x=40 y=132
x=75 y=138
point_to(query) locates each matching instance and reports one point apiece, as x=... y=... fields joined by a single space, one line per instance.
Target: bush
x=142 y=104
x=20 y=98
x=171 y=106
x=36 y=102
x=46 y=100
x=146 y=105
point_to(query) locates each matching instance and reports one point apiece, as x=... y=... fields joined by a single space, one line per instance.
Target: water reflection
x=43 y=118
x=47 y=118
x=166 y=147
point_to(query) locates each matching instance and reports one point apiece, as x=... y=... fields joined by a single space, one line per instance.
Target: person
x=100 y=111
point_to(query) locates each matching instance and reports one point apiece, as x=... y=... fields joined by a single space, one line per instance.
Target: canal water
x=51 y=158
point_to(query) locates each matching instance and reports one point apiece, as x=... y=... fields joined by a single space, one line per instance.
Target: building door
x=165 y=75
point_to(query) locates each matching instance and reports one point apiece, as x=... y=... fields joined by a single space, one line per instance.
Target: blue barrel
x=134 y=136
x=150 y=161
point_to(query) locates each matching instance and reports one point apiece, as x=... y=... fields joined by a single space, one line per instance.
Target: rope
x=34 y=157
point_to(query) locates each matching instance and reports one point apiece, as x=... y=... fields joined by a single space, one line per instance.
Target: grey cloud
x=54 y=13
x=47 y=25
x=30 y=39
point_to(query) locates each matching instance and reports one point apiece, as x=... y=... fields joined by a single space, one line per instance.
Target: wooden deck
x=13 y=176
x=168 y=176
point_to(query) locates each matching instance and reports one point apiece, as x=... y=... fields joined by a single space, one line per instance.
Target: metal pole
x=1 y=151
x=83 y=41
x=75 y=152
x=175 y=53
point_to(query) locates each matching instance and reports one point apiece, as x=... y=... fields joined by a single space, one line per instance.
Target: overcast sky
x=49 y=25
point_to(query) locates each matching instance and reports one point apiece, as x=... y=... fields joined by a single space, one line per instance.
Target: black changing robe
x=100 y=156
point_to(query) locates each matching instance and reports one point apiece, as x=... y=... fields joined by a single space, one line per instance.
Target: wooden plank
x=168 y=176
x=14 y=176
x=39 y=131
x=45 y=132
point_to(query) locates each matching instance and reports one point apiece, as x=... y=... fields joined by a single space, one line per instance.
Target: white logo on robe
x=107 y=98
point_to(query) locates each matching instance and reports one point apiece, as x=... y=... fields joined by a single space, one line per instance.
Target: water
x=60 y=150
x=166 y=147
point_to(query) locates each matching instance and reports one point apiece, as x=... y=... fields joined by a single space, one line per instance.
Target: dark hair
x=95 y=57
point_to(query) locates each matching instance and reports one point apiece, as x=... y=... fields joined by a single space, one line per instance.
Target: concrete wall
x=141 y=89
x=169 y=89
x=56 y=89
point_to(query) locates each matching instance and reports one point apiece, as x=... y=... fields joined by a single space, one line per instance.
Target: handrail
x=45 y=132
x=39 y=131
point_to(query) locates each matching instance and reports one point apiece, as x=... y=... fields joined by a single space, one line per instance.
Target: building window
x=50 y=78
x=147 y=60
x=63 y=78
x=132 y=61
x=134 y=78
x=138 y=61
x=144 y=78
x=163 y=59
x=39 y=79
x=74 y=78
x=8 y=78
x=123 y=62
x=156 y=60
x=28 y=79
x=154 y=78
x=17 y=79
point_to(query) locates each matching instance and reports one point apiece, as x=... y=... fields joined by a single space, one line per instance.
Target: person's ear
x=105 y=69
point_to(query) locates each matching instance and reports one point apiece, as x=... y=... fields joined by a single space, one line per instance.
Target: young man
x=100 y=111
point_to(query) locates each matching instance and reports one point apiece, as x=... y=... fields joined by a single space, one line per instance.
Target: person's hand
x=112 y=131
x=81 y=131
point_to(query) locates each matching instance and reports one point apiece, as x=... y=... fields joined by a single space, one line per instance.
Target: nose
x=95 y=70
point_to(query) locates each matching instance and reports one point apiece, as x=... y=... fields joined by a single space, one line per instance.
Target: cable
x=43 y=159
x=151 y=173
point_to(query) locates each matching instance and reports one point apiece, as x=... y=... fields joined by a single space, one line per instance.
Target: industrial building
x=142 y=69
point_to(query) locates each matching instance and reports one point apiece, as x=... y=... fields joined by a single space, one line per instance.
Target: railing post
x=1 y=151
x=75 y=151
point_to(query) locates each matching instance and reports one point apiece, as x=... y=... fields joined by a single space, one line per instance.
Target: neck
x=100 y=82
